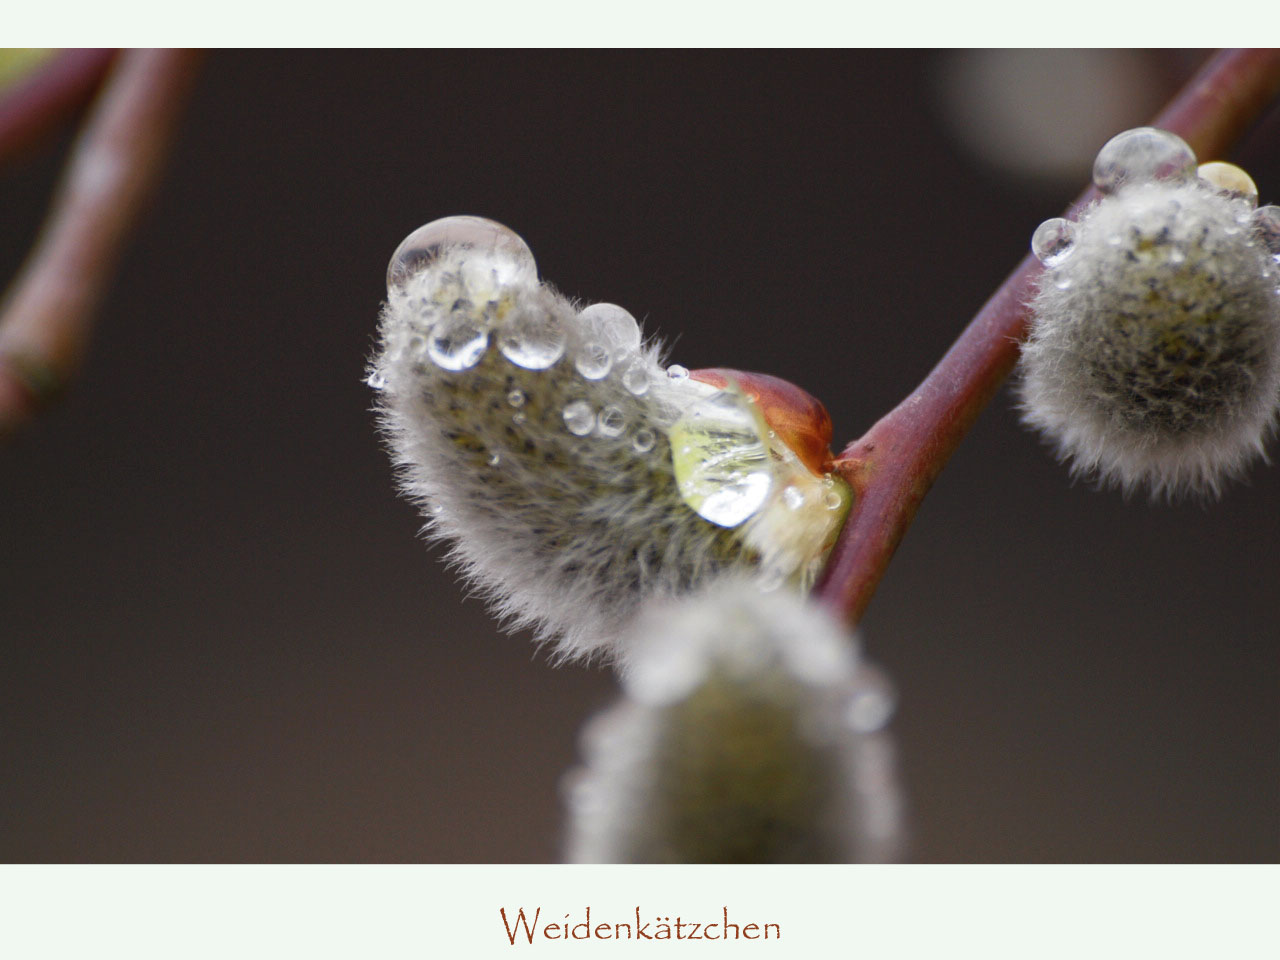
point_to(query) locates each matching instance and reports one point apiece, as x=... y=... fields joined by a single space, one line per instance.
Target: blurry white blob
x=1040 y=114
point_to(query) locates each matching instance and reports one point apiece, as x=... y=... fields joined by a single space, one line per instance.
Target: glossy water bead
x=1144 y=153
x=636 y=377
x=722 y=462
x=1229 y=179
x=616 y=326
x=457 y=342
x=594 y=361
x=511 y=255
x=1053 y=240
x=533 y=339
x=611 y=422
x=579 y=418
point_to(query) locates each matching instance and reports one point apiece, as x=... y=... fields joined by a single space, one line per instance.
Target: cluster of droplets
x=724 y=456
x=454 y=330
x=1147 y=155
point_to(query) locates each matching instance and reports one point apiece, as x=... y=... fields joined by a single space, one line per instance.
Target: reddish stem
x=47 y=316
x=893 y=466
x=41 y=102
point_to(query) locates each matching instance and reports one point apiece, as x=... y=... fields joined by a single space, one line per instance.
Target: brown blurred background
x=222 y=640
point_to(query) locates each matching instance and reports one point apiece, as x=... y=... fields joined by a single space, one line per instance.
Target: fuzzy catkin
x=561 y=532
x=1153 y=356
x=750 y=732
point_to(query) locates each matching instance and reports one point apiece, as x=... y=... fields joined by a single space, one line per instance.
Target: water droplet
x=495 y=459
x=594 y=361
x=516 y=398
x=518 y=418
x=1063 y=283
x=1053 y=241
x=723 y=466
x=873 y=699
x=1142 y=154
x=458 y=342
x=611 y=422
x=793 y=498
x=512 y=257
x=677 y=372
x=636 y=377
x=579 y=417
x=1266 y=224
x=377 y=381
x=533 y=339
x=1228 y=179
x=831 y=500
x=644 y=440
x=616 y=326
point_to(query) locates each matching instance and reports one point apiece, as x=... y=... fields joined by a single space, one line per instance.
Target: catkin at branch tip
x=1153 y=357
x=537 y=440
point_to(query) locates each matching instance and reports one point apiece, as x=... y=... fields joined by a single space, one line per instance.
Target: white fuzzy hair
x=560 y=532
x=750 y=731
x=1154 y=350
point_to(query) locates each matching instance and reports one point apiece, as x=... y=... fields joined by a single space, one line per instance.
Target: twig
x=40 y=103
x=894 y=464
x=47 y=317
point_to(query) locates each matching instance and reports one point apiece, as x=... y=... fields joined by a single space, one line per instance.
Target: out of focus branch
x=41 y=102
x=47 y=316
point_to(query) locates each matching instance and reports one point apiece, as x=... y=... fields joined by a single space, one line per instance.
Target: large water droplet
x=611 y=422
x=644 y=440
x=512 y=257
x=594 y=361
x=1266 y=224
x=579 y=418
x=457 y=342
x=721 y=460
x=1227 y=178
x=424 y=246
x=533 y=339
x=615 y=325
x=1053 y=241
x=1144 y=153
x=677 y=372
x=636 y=377
x=376 y=380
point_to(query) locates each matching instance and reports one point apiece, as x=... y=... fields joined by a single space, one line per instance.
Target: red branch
x=47 y=316
x=893 y=466
x=41 y=102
